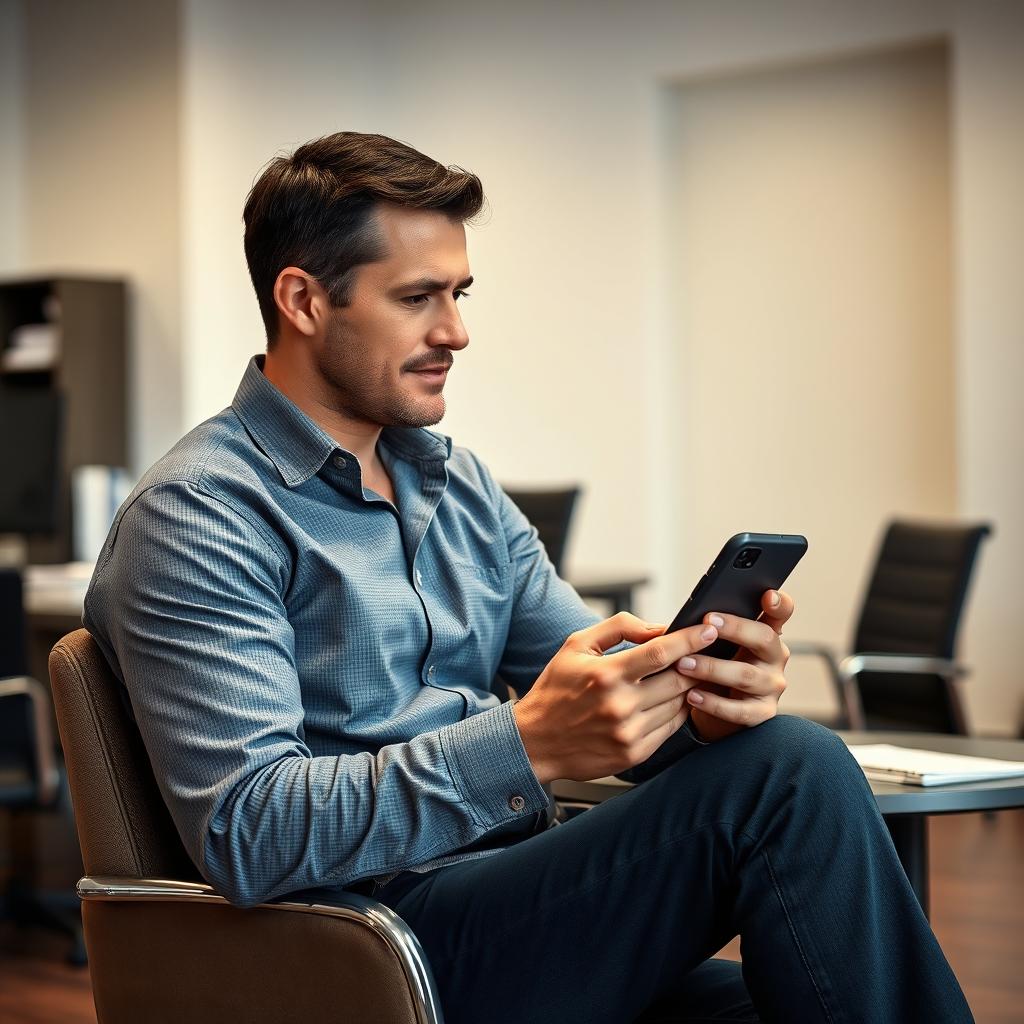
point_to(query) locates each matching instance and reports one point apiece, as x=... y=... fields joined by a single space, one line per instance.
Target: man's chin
x=420 y=414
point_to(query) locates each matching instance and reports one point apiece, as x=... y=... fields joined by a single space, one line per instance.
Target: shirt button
x=340 y=462
x=419 y=577
x=517 y=803
x=431 y=672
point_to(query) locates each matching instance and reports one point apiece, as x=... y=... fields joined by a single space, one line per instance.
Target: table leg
x=910 y=837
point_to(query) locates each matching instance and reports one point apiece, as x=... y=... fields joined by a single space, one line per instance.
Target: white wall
x=989 y=209
x=10 y=136
x=556 y=106
x=101 y=186
x=808 y=240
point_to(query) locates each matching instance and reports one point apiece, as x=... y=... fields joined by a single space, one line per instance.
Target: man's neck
x=355 y=436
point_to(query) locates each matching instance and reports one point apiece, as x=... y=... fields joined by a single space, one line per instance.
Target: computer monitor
x=30 y=432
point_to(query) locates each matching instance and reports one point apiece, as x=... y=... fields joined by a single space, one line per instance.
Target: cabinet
x=63 y=369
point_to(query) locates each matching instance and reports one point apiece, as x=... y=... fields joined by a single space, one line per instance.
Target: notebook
x=883 y=762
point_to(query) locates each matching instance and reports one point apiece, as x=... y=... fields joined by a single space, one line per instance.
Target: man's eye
x=415 y=300
x=460 y=294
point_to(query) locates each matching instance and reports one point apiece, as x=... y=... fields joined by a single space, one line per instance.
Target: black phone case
x=737 y=591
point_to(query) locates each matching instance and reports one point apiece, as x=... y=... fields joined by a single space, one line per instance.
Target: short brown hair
x=312 y=210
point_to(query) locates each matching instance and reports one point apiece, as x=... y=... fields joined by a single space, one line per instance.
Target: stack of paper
x=31 y=347
x=883 y=762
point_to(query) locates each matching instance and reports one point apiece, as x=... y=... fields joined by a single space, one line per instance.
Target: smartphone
x=748 y=565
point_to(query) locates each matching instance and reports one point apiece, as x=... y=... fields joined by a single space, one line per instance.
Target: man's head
x=314 y=209
x=356 y=248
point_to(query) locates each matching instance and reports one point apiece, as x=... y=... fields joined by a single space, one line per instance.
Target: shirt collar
x=297 y=446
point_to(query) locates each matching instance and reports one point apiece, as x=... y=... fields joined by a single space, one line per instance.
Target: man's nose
x=449 y=331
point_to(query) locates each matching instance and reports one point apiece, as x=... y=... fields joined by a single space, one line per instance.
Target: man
x=309 y=599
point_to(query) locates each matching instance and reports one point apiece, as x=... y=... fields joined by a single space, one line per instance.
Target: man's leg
x=772 y=834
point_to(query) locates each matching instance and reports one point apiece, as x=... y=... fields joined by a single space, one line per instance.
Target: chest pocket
x=480 y=609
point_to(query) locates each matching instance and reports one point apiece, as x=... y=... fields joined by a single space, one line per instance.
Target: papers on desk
x=57 y=589
x=883 y=762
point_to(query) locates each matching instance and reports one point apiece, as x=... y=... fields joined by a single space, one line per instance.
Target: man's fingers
x=778 y=608
x=757 y=637
x=746 y=712
x=661 y=651
x=743 y=676
x=608 y=633
x=660 y=723
x=658 y=689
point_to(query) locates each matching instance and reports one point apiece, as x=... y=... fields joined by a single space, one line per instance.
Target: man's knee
x=808 y=759
x=791 y=749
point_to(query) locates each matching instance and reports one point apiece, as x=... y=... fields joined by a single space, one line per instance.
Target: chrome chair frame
x=352 y=906
x=47 y=775
x=843 y=675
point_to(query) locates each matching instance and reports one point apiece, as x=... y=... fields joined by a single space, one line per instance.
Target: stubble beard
x=366 y=391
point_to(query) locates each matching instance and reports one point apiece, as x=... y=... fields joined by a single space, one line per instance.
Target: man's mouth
x=436 y=372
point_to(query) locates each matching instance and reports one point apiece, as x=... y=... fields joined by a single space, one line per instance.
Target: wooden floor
x=977 y=913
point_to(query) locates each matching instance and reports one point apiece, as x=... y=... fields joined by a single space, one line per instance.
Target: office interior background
x=746 y=266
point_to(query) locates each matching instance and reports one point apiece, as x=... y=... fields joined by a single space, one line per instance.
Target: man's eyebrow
x=430 y=284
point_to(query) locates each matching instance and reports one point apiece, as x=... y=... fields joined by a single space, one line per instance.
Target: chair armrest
x=810 y=647
x=47 y=776
x=910 y=664
x=804 y=648
x=852 y=713
x=345 y=905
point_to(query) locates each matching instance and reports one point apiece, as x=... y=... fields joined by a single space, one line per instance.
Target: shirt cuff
x=489 y=766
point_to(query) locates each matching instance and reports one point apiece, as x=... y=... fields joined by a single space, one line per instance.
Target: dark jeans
x=772 y=834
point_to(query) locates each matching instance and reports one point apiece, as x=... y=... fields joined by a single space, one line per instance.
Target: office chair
x=163 y=946
x=30 y=776
x=903 y=675
x=551 y=513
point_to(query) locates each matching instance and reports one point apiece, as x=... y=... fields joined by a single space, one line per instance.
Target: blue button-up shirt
x=310 y=666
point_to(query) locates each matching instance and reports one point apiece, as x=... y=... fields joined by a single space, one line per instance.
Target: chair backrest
x=124 y=827
x=914 y=605
x=551 y=513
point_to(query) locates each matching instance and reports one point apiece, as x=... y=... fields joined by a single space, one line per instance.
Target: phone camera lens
x=746 y=558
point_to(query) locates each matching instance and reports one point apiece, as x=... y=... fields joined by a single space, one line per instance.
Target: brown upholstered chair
x=163 y=946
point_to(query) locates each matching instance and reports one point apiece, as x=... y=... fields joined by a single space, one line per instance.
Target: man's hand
x=745 y=691
x=589 y=714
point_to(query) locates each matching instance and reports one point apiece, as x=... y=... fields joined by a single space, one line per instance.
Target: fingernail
x=709 y=633
x=653 y=625
x=696 y=697
x=717 y=620
x=775 y=599
x=687 y=662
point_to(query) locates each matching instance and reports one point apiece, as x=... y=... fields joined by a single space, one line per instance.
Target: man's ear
x=301 y=300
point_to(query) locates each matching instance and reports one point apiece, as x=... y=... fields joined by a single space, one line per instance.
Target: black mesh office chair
x=551 y=513
x=903 y=674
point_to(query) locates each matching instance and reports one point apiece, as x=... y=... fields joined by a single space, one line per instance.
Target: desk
x=904 y=808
